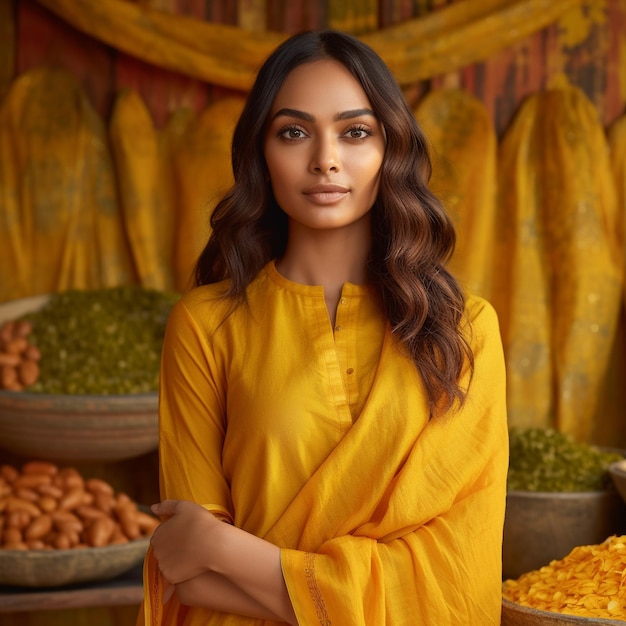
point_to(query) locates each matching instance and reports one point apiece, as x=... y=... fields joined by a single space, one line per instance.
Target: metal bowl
x=74 y=428
x=540 y=526
x=57 y=568
x=617 y=471
x=517 y=615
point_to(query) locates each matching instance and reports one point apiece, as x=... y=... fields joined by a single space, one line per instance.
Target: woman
x=333 y=438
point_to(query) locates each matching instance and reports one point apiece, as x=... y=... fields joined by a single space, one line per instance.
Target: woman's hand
x=223 y=567
x=182 y=542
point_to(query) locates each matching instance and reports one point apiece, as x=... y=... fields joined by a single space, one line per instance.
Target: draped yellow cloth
x=147 y=213
x=318 y=440
x=60 y=224
x=201 y=172
x=463 y=153
x=617 y=147
x=457 y=35
x=559 y=261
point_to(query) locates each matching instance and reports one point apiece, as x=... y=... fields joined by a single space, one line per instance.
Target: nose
x=325 y=157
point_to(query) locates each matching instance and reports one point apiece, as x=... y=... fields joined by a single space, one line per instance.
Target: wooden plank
x=7 y=49
x=615 y=95
x=121 y=591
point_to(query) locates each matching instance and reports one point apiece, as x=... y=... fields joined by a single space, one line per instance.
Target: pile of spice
x=589 y=582
x=100 y=341
x=543 y=459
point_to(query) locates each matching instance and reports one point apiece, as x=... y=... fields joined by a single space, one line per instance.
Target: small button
x=350 y=370
x=338 y=327
x=344 y=301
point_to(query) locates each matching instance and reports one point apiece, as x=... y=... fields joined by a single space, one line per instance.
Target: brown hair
x=413 y=237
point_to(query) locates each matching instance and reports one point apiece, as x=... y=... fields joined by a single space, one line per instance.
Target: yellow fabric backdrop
x=560 y=263
x=464 y=151
x=60 y=224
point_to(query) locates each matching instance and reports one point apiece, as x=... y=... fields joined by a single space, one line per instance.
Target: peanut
x=8 y=377
x=28 y=372
x=47 y=504
x=31 y=481
x=50 y=490
x=72 y=499
x=69 y=527
x=96 y=485
x=39 y=527
x=17 y=345
x=62 y=542
x=12 y=535
x=89 y=513
x=27 y=494
x=127 y=518
x=99 y=532
x=19 y=519
x=9 y=473
x=16 y=504
x=40 y=467
x=11 y=360
x=7 y=331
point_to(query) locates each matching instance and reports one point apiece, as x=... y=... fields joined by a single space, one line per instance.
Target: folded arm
x=218 y=566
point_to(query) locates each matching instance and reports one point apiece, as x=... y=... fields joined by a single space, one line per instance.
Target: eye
x=358 y=132
x=291 y=132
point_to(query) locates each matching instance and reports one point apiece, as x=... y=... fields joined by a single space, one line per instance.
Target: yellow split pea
x=589 y=582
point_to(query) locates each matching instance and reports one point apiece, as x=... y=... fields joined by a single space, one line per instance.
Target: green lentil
x=543 y=459
x=101 y=341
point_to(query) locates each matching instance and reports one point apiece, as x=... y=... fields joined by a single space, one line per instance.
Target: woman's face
x=323 y=147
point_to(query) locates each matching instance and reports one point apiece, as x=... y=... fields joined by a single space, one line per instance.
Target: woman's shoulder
x=204 y=306
x=481 y=315
x=211 y=304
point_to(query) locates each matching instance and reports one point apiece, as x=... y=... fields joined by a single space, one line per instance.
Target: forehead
x=323 y=85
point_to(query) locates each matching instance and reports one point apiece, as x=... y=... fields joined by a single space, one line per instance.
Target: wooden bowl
x=617 y=471
x=74 y=428
x=57 y=568
x=517 y=615
x=541 y=526
x=71 y=429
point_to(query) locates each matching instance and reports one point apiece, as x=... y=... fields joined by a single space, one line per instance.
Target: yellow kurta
x=318 y=440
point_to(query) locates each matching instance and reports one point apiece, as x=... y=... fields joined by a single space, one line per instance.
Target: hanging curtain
x=444 y=40
x=60 y=223
x=559 y=259
x=463 y=152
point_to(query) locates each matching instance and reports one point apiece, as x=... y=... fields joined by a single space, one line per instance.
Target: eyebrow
x=307 y=117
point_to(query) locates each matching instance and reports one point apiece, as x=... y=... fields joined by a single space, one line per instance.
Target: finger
x=168 y=592
x=167 y=507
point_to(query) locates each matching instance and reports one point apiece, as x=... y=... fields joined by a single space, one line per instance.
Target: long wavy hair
x=412 y=236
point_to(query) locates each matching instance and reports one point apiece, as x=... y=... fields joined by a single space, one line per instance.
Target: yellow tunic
x=318 y=440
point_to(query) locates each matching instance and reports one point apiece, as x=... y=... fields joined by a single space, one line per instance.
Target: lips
x=326 y=193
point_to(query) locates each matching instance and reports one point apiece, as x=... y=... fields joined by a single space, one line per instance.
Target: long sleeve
x=192 y=417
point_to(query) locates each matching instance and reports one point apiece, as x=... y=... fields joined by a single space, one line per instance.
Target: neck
x=329 y=258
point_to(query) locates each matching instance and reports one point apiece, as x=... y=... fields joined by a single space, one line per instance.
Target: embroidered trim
x=314 y=590
x=156 y=601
